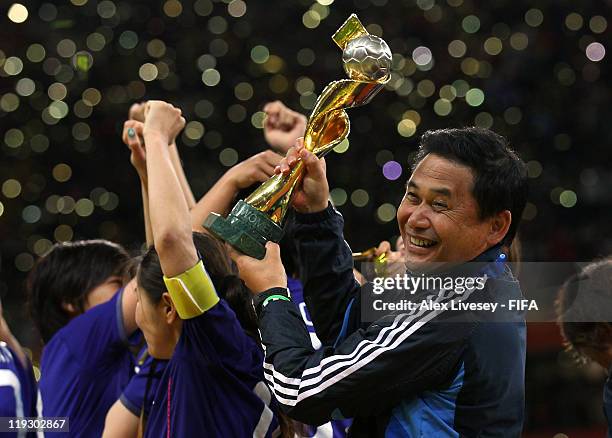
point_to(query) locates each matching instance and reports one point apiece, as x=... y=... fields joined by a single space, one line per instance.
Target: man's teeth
x=422 y=242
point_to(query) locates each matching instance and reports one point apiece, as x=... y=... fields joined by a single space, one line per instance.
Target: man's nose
x=418 y=218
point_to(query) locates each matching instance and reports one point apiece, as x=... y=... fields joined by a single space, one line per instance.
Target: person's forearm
x=169 y=212
x=145 y=208
x=218 y=199
x=180 y=173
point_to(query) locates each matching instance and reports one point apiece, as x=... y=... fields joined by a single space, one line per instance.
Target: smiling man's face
x=439 y=217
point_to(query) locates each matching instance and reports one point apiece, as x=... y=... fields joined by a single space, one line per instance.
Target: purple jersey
x=18 y=392
x=85 y=367
x=213 y=384
x=139 y=392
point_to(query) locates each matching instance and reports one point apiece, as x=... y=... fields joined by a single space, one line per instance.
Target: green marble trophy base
x=245 y=228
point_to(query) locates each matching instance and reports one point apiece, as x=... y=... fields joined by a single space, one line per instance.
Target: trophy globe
x=367 y=58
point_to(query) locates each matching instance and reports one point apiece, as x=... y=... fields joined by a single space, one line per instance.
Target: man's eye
x=412 y=196
x=439 y=204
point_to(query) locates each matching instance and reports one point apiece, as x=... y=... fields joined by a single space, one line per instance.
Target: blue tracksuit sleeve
x=326 y=270
x=371 y=371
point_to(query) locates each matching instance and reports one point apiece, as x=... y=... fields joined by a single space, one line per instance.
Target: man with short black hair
x=432 y=372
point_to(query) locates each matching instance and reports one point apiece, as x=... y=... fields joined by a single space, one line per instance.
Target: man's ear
x=169 y=309
x=500 y=223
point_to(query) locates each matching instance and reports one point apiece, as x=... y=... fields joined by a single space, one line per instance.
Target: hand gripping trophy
x=259 y=218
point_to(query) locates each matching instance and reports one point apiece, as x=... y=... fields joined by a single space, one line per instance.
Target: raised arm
x=132 y=137
x=170 y=218
x=220 y=197
x=177 y=165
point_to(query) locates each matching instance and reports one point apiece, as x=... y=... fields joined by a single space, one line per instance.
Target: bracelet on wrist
x=260 y=301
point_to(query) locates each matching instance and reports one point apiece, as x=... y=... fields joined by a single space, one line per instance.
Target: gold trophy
x=259 y=218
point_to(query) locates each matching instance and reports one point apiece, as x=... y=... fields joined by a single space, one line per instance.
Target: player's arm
x=170 y=218
x=220 y=197
x=132 y=136
x=367 y=373
x=120 y=422
x=177 y=165
x=188 y=283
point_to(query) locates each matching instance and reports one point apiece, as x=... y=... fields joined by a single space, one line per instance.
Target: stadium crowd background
x=534 y=71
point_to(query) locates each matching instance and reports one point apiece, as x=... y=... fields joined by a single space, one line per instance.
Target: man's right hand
x=312 y=194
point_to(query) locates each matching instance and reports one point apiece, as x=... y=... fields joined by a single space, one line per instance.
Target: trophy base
x=245 y=228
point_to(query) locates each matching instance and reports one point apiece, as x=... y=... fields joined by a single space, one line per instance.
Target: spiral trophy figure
x=259 y=218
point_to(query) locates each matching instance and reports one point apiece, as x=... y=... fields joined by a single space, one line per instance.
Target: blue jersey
x=18 y=392
x=138 y=395
x=85 y=367
x=213 y=384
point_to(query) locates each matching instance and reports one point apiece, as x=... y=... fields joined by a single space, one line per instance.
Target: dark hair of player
x=66 y=275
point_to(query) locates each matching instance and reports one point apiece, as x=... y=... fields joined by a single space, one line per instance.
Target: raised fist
x=282 y=126
x=163 y=119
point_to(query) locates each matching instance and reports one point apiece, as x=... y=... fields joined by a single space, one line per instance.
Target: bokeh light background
x=534 y=71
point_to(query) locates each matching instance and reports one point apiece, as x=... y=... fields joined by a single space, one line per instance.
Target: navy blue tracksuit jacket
x=415 y=374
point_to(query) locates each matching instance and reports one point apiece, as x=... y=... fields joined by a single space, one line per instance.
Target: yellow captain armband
x=192 y=292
